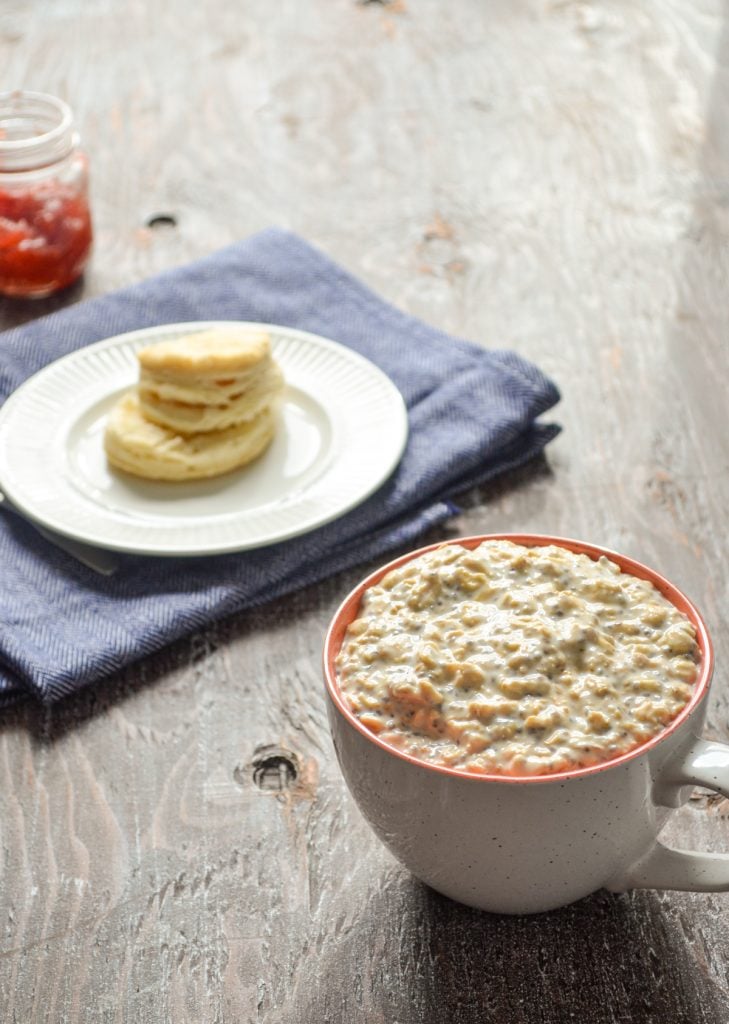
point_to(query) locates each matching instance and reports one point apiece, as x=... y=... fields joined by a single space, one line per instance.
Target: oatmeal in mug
x=504 y=659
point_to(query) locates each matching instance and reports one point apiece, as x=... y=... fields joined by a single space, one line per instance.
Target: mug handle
x=703 y=764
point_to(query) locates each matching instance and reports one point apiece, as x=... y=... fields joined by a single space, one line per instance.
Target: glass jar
x=45 y=221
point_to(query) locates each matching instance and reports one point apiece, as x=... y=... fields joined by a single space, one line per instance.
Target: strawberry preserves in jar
x=45 y=221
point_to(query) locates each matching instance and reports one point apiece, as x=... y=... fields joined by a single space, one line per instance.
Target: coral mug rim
x=347 y=611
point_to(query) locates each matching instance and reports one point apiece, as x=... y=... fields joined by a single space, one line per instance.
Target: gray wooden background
x=547 y=175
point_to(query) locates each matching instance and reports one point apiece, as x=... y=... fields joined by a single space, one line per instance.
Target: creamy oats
x=516 y=660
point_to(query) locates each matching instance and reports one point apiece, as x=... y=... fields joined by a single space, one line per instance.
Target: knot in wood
x=161 y=220
x=275 y=769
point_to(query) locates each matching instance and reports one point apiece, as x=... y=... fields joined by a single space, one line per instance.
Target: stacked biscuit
x=205 y=404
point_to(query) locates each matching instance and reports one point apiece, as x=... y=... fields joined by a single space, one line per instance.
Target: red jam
x=45 y=237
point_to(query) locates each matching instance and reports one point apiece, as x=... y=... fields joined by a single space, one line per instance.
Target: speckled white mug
x=523 y=845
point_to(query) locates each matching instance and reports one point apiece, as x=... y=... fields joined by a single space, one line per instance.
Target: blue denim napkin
x=472 y=415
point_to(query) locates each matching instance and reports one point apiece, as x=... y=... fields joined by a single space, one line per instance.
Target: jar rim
x=52 y=140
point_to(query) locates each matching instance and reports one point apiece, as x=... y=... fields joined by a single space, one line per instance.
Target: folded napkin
x=472 y=415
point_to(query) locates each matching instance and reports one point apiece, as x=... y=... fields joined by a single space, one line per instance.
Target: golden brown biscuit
x=208 y=381
x=217 y=406
x=136 y=445
x=217 y=351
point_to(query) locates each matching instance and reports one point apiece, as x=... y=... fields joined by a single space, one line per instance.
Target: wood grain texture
x=548 y=175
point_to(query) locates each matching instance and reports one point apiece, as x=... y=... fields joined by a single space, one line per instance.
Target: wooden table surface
x=546 y=175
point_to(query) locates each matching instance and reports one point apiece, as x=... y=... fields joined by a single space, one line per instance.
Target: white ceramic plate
x=342 y=432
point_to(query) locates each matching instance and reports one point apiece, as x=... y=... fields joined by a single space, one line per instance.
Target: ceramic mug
x=520 y=845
